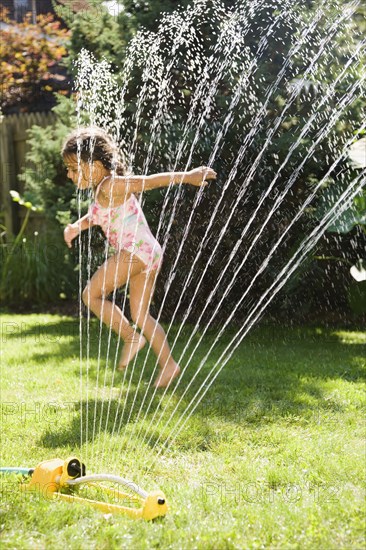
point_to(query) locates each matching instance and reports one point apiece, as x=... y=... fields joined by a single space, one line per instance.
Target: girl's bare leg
x=113 y=274
x=142 y=288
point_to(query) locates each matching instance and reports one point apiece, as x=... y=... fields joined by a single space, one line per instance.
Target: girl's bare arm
x=82 y=223
x=119 y=186
x=72 y=230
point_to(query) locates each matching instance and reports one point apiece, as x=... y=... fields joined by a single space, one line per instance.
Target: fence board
x=14 y=147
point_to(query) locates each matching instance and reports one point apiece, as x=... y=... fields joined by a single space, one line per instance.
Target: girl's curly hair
x=93 y=143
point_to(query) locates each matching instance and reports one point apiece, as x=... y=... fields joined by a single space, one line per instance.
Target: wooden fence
x=14 y=146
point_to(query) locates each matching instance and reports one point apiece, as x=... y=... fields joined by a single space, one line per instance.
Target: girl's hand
x=70 y=232
x=198 y=176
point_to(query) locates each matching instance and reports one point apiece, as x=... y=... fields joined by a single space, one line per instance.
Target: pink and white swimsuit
x=126 y=228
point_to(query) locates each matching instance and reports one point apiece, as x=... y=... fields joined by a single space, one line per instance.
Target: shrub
x=29 y=55
x=36 y=269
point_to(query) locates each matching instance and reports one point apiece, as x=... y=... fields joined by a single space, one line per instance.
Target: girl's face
x=84 y=175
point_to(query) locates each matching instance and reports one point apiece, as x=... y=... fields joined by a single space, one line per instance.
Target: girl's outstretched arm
x=119 y=186
x=197 y=177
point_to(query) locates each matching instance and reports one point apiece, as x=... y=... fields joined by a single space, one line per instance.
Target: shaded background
x=38 y=77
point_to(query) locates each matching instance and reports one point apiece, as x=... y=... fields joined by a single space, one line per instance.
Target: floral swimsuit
x=126 y=228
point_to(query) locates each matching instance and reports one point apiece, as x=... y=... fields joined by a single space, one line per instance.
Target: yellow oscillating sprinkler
x=51 y=477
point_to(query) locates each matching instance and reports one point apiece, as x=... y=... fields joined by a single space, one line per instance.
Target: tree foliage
x=29 y=55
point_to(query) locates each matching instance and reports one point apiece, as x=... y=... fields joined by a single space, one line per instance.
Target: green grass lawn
x=273 y=456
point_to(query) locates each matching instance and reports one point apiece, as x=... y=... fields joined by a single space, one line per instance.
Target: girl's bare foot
x=129 y=351
x=167 y=375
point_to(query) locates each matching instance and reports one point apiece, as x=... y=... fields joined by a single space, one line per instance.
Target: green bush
x=45 y=180
x=38 y=272
x=35 y=269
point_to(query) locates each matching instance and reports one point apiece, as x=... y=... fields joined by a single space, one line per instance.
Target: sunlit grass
x=272 y=457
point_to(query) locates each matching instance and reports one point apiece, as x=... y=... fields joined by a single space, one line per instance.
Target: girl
x=138 y=256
